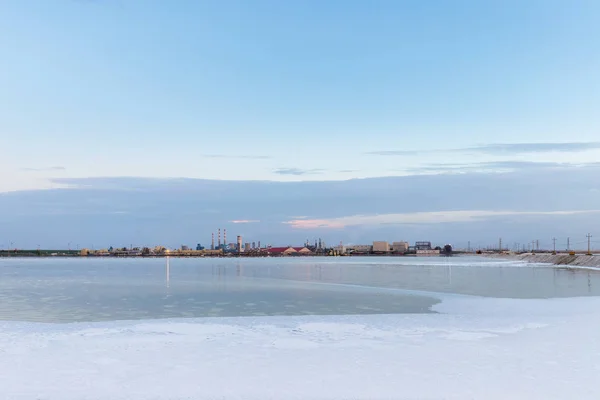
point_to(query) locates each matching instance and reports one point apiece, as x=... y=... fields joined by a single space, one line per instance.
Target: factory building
x=239 y=244
x=247 y=247
x=359 y=248
x=341 y=249
x=381 y=247
x=399 y=247
x=431 y=252
x=422 y=245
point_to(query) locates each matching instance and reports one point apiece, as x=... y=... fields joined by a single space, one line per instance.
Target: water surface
x=69 y=290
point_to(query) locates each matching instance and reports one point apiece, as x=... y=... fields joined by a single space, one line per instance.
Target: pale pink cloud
x=244 y=221
x=433 y=217
x=314 y=223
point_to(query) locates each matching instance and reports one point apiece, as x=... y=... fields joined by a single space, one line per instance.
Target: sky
x=214 y=95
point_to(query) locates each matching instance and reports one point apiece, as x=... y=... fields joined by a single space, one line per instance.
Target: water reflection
x=168 y=272
x=80 y=290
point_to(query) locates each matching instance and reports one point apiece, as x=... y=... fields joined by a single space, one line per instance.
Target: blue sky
x=295 y=91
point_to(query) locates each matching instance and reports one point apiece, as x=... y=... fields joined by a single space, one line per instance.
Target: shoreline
x=26 y=254
x=579 y=261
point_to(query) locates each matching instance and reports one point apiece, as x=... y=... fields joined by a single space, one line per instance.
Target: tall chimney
x=219 y=237
x=225 y=236
x=212 y=242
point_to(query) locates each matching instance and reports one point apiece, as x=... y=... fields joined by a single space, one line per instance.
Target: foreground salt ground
x=475 y=349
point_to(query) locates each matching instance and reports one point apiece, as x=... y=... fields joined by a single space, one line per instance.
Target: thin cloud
x=518 y=148
x=501 y=148
x=244 y=221
x=398 y=152
x=44 y=169
x=495 y=166
x=242 y=157
x=297 y=171
x=433 y=217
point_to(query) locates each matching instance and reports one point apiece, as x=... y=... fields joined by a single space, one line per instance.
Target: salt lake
x=77 y=290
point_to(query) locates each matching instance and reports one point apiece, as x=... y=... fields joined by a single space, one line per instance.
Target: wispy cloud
x=44 y=169
x=501 y=149
x=231 y=156
x=244 y=221
x=297 y=171
x=495 y=166
x=398 y=152
x=518 y=148
x=433 y=217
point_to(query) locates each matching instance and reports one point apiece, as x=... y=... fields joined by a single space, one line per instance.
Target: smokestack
x=219 y=237
x=225 y=236
x=212 y=242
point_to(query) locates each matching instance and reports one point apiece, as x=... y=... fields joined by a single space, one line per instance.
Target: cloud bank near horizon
x=518 y=206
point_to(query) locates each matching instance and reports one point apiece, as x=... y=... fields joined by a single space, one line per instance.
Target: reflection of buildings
x=168 y=272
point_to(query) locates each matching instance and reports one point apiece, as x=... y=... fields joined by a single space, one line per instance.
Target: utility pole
x=500 y=244
x=554 y=245
x=568 y=244
x=589 y=237
x=537 y=242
